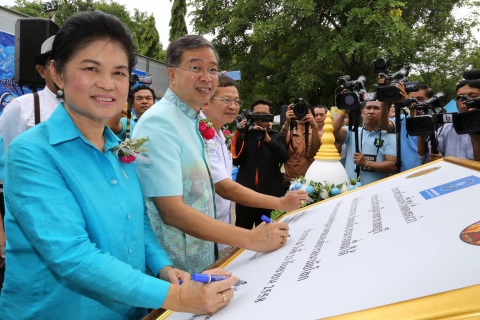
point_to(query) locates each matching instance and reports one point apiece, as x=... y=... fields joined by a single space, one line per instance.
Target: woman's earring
x=60 y=93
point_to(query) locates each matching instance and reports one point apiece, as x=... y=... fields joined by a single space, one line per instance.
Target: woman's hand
x=200 y=298
x=173 y=275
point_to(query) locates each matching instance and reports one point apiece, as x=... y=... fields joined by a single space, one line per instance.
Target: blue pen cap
x=203 y=278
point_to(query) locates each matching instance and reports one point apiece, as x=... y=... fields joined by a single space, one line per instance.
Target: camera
x=389 y=92
x=356 y=92
x=252 y=133
x=381 y=65
x=428 y=124
x=468 y=122
x=300 y=109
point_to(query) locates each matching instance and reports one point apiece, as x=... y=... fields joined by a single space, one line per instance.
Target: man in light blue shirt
x=143 y=99
x=177 y=181
x=377 y=148
x=450 y=143
x=410 y=157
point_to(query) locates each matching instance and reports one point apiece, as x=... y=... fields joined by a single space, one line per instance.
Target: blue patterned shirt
x=78 y=237
x=179 y=167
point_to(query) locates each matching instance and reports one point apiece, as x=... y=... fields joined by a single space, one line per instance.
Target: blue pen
x=207 y=278
x=268 y=220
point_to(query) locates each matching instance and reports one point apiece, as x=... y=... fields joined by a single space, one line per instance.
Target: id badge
x=369 y=157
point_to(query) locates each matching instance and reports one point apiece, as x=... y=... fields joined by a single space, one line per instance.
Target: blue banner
x=9 y=89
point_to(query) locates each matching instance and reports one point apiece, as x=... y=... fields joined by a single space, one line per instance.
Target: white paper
x=360 y=251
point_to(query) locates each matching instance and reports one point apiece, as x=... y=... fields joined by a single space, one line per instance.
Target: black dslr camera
x=252 y=133
x=355 y=93
x=428 y=124
x=300 y=109
x=468 y=122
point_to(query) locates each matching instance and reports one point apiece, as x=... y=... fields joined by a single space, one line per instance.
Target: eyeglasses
x=213 y=71
x=461 y=97
x=227 y=101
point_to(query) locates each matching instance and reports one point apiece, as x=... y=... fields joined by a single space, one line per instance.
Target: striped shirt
x=450 y=143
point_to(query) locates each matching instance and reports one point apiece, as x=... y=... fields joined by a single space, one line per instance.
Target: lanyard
x=361 y=141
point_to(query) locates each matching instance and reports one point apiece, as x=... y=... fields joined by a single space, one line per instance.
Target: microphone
x=471 y=75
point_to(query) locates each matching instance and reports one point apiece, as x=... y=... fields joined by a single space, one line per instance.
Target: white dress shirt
x=19 y=115
x=221 y=166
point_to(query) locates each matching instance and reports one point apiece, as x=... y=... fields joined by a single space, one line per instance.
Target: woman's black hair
x=84 y=28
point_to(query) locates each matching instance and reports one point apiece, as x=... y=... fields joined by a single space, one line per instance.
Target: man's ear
x=57 y=77
x=41 y=70
x=171 y=75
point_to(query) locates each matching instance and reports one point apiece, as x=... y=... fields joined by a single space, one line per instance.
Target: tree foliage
x=288 y=49
x=142 y=26
x=178 y=27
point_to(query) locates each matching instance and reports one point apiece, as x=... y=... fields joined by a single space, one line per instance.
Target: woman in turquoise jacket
x=78 y=236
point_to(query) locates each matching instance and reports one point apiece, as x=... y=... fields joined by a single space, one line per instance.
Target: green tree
x=178 y=27
x=288 y=49
x=142 y=26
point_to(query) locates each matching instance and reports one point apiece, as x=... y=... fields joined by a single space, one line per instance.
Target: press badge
x=370 y=157
x=378 y=143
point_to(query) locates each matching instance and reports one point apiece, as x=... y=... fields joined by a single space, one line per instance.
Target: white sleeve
x=12 y=122
x=217 y=164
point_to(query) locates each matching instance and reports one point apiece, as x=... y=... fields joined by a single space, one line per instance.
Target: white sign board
x=396 y=240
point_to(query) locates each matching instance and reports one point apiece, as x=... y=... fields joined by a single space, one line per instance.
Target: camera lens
x=423 y=123
x=349 y=100
x=474 y=122
x=300 y=110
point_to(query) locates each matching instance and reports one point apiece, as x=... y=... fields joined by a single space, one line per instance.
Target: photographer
x=377 y=148
x=302 y=140
x=410 y=157
x=260 y=163
x=450 y=143
x=143 y=99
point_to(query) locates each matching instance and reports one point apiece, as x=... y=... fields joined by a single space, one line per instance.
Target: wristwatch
x=369 y=165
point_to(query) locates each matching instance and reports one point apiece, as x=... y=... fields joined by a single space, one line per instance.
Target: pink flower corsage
x=228 y=137
x=206 y=129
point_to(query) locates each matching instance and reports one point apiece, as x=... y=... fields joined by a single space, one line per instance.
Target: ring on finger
x=284 y=239
x=302 y=202
x=224 y=297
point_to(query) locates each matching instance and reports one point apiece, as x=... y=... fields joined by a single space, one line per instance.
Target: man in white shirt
x=223 y=109
x=19 y=115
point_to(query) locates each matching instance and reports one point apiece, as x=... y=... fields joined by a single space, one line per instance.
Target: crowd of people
x=82 y=227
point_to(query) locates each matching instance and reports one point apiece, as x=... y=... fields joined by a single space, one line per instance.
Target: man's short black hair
x=225 y=81
x=262 y=101
x=428 y=90
x=138 y=88
x=471 y=83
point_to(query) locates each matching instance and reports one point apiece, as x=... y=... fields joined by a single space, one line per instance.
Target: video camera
x=356 y=93
x=252 y=133
x=468 y=122
x=428 y=124
x=389 y=92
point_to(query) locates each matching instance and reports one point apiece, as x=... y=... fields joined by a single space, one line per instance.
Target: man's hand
x=435 y=156
x=289 y=115
x=359 y=159
x=267 y=237
x=172 y=275
x=310 y=119
x=293 y=200
x=267 y=138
